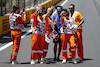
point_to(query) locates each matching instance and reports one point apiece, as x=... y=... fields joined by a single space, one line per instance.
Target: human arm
x=81 y=20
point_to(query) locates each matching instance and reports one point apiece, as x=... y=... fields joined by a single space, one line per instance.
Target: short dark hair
x=59 y=6
x=72 y=5
x=15 y=8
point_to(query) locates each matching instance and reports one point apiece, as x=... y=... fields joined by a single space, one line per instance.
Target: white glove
x=61 y=29
x=47 y=39
x=74 y=27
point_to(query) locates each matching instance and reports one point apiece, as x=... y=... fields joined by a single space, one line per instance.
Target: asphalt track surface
x=90 y=9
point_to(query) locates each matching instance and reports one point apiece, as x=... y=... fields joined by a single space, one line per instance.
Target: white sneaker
x=32 y=62
x=42 y=59
x=14 y=62
x=74 y=61
x=36 y=61
x=64 y=61
x=41 y=62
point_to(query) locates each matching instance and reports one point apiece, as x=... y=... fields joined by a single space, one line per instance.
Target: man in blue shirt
x=57 y=26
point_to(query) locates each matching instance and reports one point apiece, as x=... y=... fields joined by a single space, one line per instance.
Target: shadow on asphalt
x=50 y=61
x=80 y=61
x=47 y=61
x=86 y=59
x=25 y=63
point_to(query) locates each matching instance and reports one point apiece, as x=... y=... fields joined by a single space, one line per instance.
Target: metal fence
x=6 y=5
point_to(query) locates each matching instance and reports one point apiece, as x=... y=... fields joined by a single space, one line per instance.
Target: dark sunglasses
x=58 y=9
x=71 y=8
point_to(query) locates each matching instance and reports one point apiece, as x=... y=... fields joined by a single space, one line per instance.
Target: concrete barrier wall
x=4 y=21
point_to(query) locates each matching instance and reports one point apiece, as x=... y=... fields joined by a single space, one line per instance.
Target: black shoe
x=58 y=59
x=54 y=59
x=38 y=61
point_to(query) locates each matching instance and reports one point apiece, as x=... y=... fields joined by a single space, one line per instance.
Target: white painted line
x=64 y=2
x=7 y=45
x=26 y=34
x=10 y=43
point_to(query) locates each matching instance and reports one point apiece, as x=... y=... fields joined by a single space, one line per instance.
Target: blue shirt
x=58 y=26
